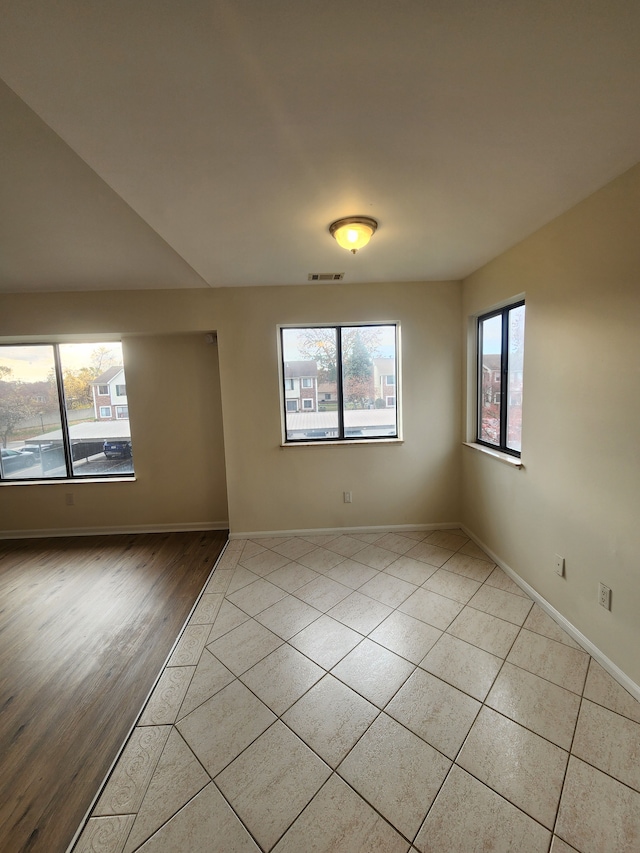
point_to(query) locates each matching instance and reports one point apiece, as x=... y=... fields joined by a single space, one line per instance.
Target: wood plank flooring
x=85 y=626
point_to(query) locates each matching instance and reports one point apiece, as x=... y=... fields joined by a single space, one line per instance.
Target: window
x=292 y=405
x=307 y=383
x=121 y=390
x=288 y=384
x=500 y=364
x=50 y=421
x=122 y=412
x=390 y=380
x=343 y=362
x=103 y=390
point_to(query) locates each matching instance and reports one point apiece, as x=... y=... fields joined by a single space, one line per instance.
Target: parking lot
x=96 y=465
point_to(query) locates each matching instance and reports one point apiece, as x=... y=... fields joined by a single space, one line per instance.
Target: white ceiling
x=186 y=143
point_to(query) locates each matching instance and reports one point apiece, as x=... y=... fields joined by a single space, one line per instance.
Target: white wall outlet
x=347 y=497
x=604 y=596
x=559 y=565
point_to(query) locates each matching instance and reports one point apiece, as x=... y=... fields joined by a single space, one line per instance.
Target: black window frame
x=504 y=377
x=342 y=435
x=64 y=428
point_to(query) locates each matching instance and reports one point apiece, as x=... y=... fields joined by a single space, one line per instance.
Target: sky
x=32 y=363
x=492 y=335
x=492 y=330
x=386 y=349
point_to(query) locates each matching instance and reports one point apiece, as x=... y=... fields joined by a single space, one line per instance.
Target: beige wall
x=293 y=488
x=179 y=454
x=578 y=493
x=175 y=411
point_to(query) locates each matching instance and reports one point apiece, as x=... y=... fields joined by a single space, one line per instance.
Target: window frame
x=102 y=411
x=342 y=436
x=66 y=440
x=503 y=373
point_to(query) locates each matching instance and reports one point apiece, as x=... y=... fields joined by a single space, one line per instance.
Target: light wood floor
x=85 y=626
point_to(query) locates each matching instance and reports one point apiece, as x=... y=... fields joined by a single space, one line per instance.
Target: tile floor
x=375 y=692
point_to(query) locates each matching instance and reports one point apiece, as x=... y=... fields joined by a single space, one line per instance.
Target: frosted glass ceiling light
x=354 y=232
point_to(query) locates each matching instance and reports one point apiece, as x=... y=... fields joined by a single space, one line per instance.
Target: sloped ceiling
x=159 y=143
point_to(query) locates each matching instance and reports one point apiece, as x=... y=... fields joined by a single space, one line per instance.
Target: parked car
x=36 y=449
x=15 y=460
x=117 y=448
x=316 y=433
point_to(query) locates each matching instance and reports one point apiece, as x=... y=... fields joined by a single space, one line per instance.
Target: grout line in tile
x=381 y=710
x=548 y=680
x=355 y=690
x=453 y=764
x=526 y=728
x=566 y=769
x=118 y=756
x=242 y=823
x=515 y=806
x=181 y=807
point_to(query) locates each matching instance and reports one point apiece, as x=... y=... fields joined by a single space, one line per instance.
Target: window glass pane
x=490 y=381
x=310 y=385
x=368 y=360
x=99 y=432
x=514 y=383
x=30 y=429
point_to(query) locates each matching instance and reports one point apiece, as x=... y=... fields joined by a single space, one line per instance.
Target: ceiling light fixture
x=354 y=232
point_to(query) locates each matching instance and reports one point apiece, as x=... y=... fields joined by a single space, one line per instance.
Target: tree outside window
x=349 y=386
x=500 y=373
x=49 y=416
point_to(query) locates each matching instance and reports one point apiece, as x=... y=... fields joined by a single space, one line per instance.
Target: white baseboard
x=179 y=527
x=327 y=531
x=598 y=655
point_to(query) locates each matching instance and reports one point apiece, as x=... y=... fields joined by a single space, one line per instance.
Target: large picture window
x=500 y=363
x=54 y=423
x=335 y=382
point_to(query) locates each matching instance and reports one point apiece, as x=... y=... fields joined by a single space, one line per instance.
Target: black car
x=118 y=448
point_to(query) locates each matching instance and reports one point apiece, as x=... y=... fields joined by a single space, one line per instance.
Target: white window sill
x=67 y=482
x=342 y=442
x=513 y=461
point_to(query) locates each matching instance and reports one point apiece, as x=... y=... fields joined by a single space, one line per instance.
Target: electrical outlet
x=604 y=596
x=559 y=565
x=347 y=497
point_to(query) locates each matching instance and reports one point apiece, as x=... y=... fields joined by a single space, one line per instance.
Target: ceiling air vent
x=325 y=276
